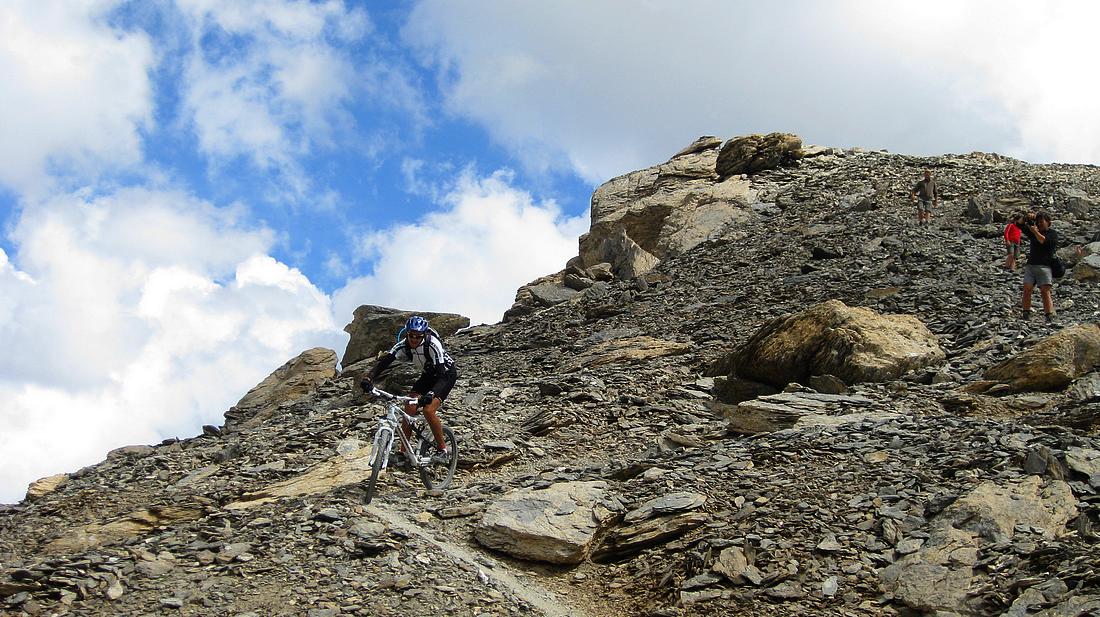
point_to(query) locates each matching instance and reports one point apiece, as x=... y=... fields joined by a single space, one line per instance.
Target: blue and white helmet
x=416 y=323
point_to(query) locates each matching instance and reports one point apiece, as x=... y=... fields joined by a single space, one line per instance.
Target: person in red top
x=1012 y=241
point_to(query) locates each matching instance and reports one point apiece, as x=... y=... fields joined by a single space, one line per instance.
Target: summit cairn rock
x=1051 y=364
x=557 y=524
x=296 y=379
x=851 y=343
x=755 y=153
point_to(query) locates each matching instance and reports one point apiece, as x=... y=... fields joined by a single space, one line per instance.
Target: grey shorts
x=924 y=205
x=1038 y=275
x=1013 y=250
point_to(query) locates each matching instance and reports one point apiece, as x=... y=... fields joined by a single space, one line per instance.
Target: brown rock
x=294 y=380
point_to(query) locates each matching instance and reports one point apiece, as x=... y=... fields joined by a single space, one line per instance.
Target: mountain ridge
x=905 y=495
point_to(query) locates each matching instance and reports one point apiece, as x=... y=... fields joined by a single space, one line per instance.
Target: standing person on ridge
x=422 y=347
x=929 y=193
x=1040 y=261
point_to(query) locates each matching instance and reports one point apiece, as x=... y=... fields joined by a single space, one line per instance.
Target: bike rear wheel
x=438 y=476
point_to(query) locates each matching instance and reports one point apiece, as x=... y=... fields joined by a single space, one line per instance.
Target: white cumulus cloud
x=74 y=92
x=468 y=257
x=134 y=316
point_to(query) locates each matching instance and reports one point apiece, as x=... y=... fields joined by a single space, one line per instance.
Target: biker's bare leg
x=434 y=423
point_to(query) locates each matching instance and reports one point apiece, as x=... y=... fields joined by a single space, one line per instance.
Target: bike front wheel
x=438 y=476
x=377 y=458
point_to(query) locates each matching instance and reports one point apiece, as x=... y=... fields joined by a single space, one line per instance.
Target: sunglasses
x=415 y=335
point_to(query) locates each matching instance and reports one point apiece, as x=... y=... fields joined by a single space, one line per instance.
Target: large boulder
x=648 y=215
x=854 y=344
x=755 y=153
x=557 y=524
x=294 y=380
x=1051 y=364
x=374 y=329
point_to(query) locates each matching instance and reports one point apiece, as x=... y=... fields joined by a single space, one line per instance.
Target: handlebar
x=392 y=397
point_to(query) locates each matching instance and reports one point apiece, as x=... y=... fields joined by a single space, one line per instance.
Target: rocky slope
x=615 y=459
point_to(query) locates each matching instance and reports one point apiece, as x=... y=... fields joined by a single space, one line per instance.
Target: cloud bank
x=606 y=87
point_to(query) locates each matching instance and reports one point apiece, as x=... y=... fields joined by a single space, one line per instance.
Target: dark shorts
x=441 y=384
x=924 y=205
x=1014 y=249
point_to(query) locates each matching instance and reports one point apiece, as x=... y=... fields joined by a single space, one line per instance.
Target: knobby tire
x=375 y=469
x=436 y=476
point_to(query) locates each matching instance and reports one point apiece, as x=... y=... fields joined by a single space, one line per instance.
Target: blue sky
x=193 y=191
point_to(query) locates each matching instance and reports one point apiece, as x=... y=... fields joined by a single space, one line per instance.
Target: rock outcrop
x=290 y=382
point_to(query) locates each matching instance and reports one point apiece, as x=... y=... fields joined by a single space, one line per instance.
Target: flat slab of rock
x=347 y=468
x=45 y=486
x=666 y=504
x=627 y=350
x=121 y=530
x=556 y=525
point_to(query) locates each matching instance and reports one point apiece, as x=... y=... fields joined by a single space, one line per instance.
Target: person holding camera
x=1040 y=261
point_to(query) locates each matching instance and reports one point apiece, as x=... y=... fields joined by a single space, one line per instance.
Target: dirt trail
x=489 y=570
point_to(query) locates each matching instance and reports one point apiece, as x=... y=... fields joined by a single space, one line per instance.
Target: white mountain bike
x=418 y=447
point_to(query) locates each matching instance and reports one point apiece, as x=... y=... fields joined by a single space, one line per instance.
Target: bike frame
x=389 y=426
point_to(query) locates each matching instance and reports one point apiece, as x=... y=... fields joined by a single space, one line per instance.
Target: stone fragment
x=44 y=486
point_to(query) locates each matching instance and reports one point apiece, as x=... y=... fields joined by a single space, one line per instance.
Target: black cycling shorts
x=439 y=383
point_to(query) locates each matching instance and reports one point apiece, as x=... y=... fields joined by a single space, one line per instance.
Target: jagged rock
x=624 y=542
x=1050 y=364
x=557 y=524
x=755 y=153
x=540 y=293
x=288 y=383
x=854 y=344
x=373 y=329
x=47 y=485
x=706 y=142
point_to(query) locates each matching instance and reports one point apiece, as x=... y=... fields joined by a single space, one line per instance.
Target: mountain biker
x=424 y=349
